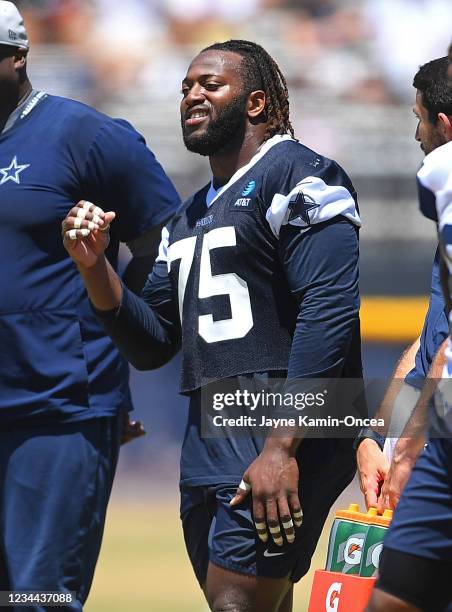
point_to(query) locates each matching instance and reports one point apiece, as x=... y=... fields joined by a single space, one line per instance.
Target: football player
x=257 y=276
x=416 y=561
x=374 y=470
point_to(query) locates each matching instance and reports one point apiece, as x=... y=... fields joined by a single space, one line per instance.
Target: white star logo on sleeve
x=11 y=173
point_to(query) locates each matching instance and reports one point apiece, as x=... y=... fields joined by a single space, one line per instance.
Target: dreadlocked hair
x=259 y=70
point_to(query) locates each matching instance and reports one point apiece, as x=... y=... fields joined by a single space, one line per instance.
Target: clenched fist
x=85 y=233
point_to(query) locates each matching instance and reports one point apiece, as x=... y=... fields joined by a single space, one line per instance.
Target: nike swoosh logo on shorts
x=269 y=554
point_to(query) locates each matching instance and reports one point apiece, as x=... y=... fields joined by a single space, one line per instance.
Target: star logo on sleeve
x=11 y=173
x=299 y=206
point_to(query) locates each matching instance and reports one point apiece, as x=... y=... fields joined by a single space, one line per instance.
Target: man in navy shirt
x=374 y=452
x=375 y=471
x=257 y=277
x=419 y=541
x=63 y=384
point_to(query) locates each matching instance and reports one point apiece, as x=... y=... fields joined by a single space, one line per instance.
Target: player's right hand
x=406 y=452
x=85 y=233
x=272 y=478
x=372 y=468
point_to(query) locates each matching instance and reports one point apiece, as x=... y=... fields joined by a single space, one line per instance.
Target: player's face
x=213 y=107
x=429 y=135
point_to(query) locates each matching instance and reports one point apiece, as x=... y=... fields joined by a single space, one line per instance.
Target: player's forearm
x=407 y=360
x=412 y=439
x=436 y=369
x=102 y=284
x=404 y=366
x=283 y=440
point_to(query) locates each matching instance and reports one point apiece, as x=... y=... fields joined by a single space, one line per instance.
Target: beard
x=222 y=133
x=435 y=140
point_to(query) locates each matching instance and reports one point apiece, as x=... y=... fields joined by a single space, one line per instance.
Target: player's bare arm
x=372 y=463
x=412 y=439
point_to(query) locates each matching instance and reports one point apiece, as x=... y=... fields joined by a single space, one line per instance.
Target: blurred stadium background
x=349 y=65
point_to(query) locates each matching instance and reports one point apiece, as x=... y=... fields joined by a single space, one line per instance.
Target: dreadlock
x=259 y=70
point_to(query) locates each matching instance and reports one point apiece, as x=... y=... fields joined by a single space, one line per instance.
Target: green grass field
x=143 y=566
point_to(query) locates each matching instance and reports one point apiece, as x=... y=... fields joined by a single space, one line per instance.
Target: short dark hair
x=431 y=81
x=260 y=71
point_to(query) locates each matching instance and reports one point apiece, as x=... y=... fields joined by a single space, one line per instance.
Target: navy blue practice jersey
x=255 y=278
x=55 y=360
x=229 y=259
x=259 y=275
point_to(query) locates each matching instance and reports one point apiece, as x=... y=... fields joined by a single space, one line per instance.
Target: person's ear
x=256 y=104
x=445 y=125
x=20 y=58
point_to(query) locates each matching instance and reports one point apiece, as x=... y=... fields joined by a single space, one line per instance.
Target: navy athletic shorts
x=422 y=523
x=226 y=536
x=55 y=482
x=424 y=583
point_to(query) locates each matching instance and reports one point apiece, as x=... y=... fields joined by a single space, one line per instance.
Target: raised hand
x=85 y=233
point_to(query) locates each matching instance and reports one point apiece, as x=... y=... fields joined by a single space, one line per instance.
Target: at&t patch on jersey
x=243 y=204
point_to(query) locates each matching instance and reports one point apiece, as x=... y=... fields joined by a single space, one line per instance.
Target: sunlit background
x=349 y=65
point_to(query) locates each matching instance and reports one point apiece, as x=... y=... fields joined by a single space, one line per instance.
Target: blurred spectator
x=313 y=8
x=204 y=21
x=121 y=38
x=357 y=49
x=406 y=34
x=57 y=21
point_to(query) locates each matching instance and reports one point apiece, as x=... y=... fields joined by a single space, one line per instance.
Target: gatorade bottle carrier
x=354 y=548
x=373 y=544
x=347 y=537
x=334 y=592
